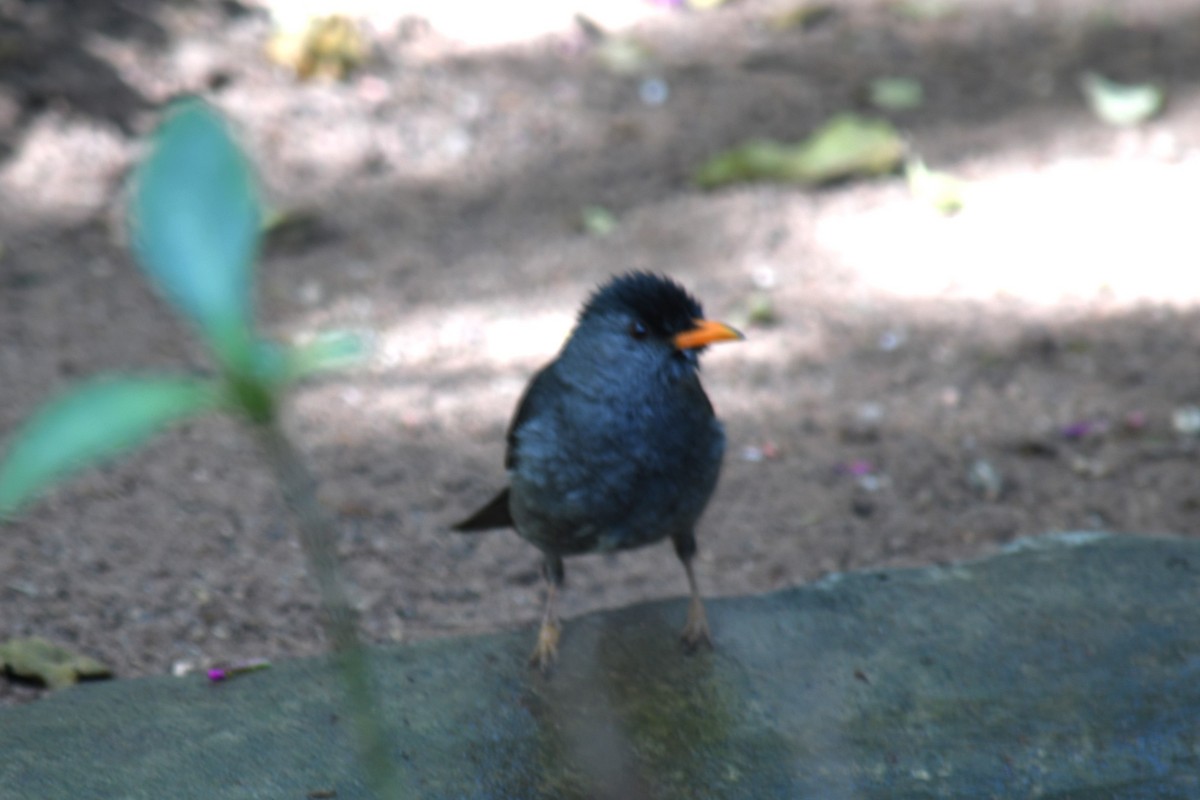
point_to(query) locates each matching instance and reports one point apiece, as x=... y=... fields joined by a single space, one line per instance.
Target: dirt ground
x=930 y=389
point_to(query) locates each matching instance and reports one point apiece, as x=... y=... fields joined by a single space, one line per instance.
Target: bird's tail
x=494 y=515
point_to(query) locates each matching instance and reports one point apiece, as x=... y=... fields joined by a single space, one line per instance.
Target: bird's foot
x=695 y=633
x=545 y=653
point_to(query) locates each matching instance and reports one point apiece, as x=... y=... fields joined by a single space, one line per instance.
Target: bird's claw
x=545 y=652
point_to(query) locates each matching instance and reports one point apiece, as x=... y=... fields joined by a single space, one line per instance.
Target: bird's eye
x=638 y=331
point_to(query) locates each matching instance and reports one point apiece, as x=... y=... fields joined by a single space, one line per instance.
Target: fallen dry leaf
x=55 y=666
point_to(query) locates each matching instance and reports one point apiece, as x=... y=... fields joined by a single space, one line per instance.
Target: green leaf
x=939 y=190
x=927 y=10
x=51 y=664
x=896 y=93
x=196 y=221
x=622 y=55
x=597 y=220
x=332 y=350
x=756 y=160
x=845 y=146
x=805 y=16
x=93 y=421
x=1121 y=104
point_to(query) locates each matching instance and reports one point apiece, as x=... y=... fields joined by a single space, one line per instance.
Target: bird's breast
x=594 y=474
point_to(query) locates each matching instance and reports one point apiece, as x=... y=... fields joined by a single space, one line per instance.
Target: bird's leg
x=695 y=631
x=545 y=652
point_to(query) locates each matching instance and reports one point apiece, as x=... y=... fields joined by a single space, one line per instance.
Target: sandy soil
x=931 y=389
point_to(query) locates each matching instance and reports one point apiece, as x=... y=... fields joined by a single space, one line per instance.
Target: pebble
x=654 y=92
x=984 y=478
x=1186 y=420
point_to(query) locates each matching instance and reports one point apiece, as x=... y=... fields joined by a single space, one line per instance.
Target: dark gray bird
x=614 y=444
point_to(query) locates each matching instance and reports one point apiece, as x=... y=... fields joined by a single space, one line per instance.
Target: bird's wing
x=536 y=400
x=539 y=395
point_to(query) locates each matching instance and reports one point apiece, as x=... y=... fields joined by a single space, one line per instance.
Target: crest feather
x=658 y=302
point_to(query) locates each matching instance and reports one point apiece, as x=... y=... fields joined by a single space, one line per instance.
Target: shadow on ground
x=49 y=60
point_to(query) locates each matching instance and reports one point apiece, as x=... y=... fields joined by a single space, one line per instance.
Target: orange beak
x=705 y=332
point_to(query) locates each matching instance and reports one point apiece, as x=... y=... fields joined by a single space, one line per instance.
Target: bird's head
x=646 y=319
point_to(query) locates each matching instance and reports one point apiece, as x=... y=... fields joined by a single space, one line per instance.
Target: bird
x=614 y=444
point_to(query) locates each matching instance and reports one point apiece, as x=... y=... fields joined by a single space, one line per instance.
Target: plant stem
x=317 y=537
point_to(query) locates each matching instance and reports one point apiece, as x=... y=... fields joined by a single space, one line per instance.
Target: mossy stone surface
x=1066 y=667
